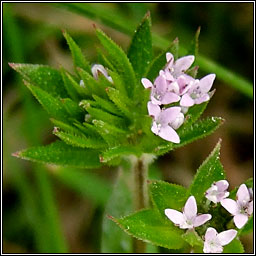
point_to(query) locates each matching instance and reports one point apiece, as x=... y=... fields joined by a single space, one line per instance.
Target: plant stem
x=140 y=190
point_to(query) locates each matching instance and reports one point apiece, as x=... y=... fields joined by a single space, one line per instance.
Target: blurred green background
x=52 y=209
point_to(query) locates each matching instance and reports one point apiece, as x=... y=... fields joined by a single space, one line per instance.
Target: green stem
x=140 y=190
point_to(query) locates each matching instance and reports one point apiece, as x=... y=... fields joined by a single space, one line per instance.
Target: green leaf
x=119 y=151
x=147 y=226
x=194 y=47
x=52 y=105
x=234 y=247
x=106 y=105
x=120 y=101
x=45 y=77
x=86 y=183
x=190 y=133
x=61 y=154
x=73 y=109
x=209 y=172
x=165 y=195
x=247 y=228
x=64 y=126
x=140 y=51
x=120 y=62
x=193 y=238
x=114 y=240
x=192 y=71
x=79 y=140
x=75 y=91
x=160 y=61
x=78 y=57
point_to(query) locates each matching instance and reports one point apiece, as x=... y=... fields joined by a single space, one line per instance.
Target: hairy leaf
x=140 y=51
x=61 y=154
x=78 y=57
x=209 y=172
x=147 y=226
x=45 y=77
x=120 y=61
x=193 y=238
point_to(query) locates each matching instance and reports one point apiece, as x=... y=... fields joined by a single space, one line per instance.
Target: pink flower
x=165 y=121
x=217 y=191
x=242 y=208
x=97 y=68
x=188 y=218
x=159 y=91
x=214 y=241
x=198 y=91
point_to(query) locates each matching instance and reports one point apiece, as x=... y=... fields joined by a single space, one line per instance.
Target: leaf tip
x=101 y=159
x=17 y=154
x=94 y=26
x=55 y=130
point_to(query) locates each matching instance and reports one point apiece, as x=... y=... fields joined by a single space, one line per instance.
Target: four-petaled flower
x=189 y=218
x=242 y=208
x=217 y=191
x=214 y=242
x=198 y=91
x=159 y=91
x=165 y=121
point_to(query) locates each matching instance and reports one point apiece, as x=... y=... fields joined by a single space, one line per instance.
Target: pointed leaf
x=61 y=154
x=209 y=172
x=160 y=61
x=120 y=61
x=235 y=246
x=147 y=226
x=64 y=126
x=45 y=77
x=166 y=195
x=191 y=133
x=193 y=50
x=140 y=51
x=73 y=109
x=78 y=57
x=52 y=105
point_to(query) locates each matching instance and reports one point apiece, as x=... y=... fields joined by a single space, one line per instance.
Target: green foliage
x=193 y=238
x=120 y=62
x=78 y=57
x=209 y=172
x=147 y=226
x=46 y=78
x=140 y=51
x=234 y=247
x=193 y=50
x=61 y=154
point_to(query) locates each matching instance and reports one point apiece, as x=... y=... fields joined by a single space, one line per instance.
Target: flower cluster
x=173 y=85
x=241 y=209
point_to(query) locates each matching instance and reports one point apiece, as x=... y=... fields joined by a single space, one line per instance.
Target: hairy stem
x=140 y=190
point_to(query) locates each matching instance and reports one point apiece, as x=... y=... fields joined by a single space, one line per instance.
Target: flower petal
x=206 y=83
x=98 y=68
x=170 y=97
x=153 y=110
x=230 y=205
x=175 y=216
x=243 y=195
x=160 y=84
x=169 y=115
x=240 y=220
x=210 y=234
x=201 y=219
x=169 y=57
x=190 y=208
x=146 y=83
x=250 y=208
x=227 y=236
x=182 y=64
x=222 y=185
x=168 y=133
x=203 y=98
x=186 y=101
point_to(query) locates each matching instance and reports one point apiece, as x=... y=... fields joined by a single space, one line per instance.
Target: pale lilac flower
x=214 y=242
x=242 y=208
x=176 y=68
x=198 y=91
x=165 y=121
x=98 y=68
x=217 y=191
x=159 y=91
x=188 y=218
x=82 y=83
